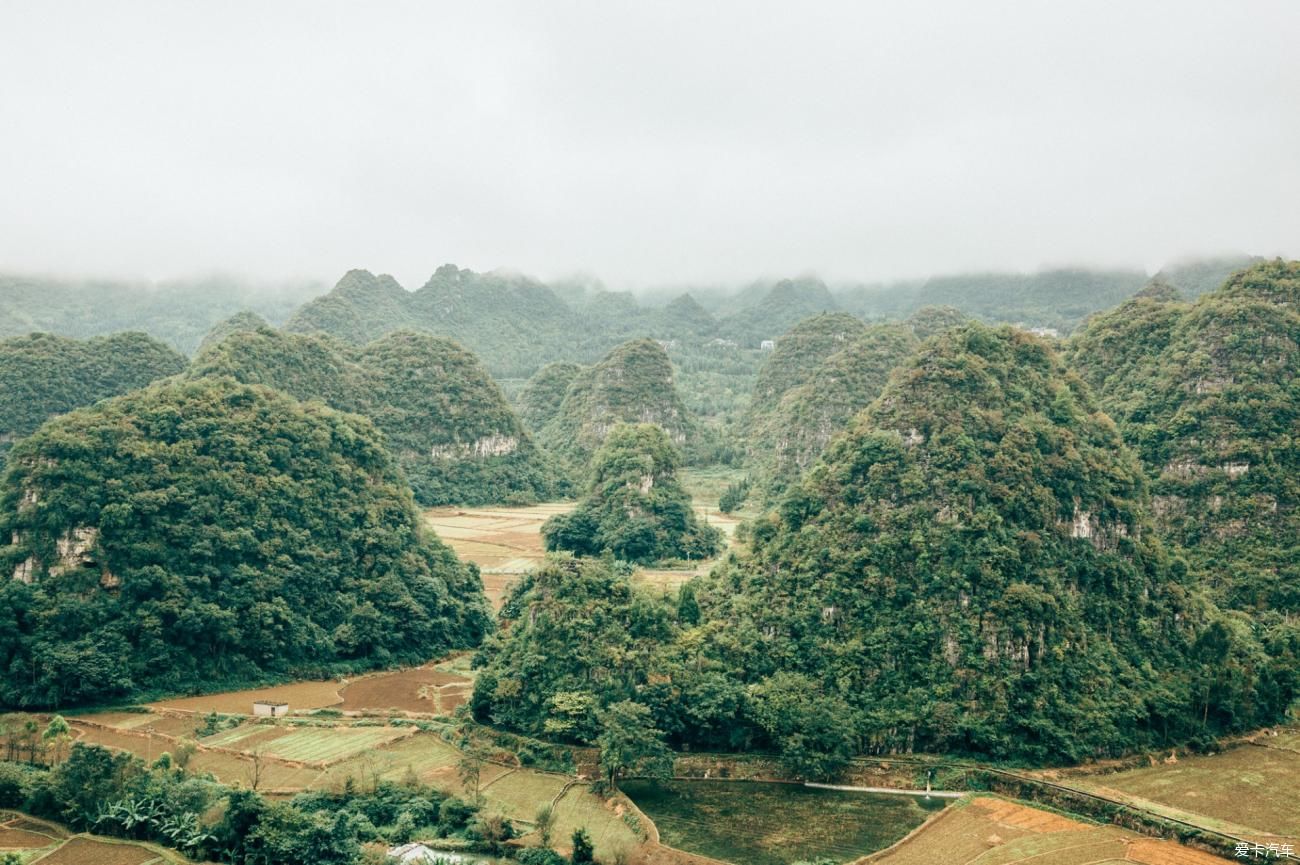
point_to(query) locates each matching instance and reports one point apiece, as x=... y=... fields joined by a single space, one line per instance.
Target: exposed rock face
x=487 y=446
x=25 y=569
x=73 y=549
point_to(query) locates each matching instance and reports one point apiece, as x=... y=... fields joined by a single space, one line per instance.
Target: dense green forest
x=971 y=568
x=199 y=533
x=635 y=508
x=42 y=375
x=177 y=312
x=443 y=417
x=1208 y=395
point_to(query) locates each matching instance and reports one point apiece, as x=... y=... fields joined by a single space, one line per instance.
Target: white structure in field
x=270 y=709
x=418 y=854
x=767 y=345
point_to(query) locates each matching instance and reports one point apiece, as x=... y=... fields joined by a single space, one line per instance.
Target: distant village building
x=723 y=343
x=270 y=709
x=1049 y=332
x=667 y=344
x=767 y=345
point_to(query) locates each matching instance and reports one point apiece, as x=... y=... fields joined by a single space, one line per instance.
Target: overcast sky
x=646 y=143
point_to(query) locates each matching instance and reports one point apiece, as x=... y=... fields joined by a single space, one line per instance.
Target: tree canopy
x=634 y=509
x=42 y=375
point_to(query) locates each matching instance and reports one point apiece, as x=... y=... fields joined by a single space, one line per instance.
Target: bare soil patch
x=423 y=689
x=299 y=695
x=84 y=851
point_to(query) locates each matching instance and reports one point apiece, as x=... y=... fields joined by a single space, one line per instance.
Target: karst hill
x=1208 y=395
x=511 y=321
x=632 y=384
x=42 y=375
x=973 y=567
x=199 y=533
x=443 y=417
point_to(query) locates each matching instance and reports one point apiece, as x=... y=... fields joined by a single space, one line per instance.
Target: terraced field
x=1251 y=791
x=773 y=824
x=39 y=841
x=985 y=830
x=507 y=542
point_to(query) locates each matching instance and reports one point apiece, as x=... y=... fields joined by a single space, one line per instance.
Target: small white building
x=270 y=708
x=767 y=345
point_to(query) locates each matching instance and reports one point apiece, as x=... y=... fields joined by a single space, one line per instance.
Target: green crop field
x=582 y=809
x=774 y=824
x=330 y=744
x=521 y=793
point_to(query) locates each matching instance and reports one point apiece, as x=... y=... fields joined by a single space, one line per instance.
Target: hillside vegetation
x=177 y=312
x=635 y=508
x=632 y=384
x=195 y=533
x=514 y=323
x=442 y=416
x=1208 y=394
x=971 y=568
x=787 y=438
x=42 y=375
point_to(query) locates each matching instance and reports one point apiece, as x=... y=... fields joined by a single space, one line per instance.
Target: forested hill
x=1209 y=395
x=798 y=351
x=514 y=323
x=177 y=539
x=42 y=375
x=1058 y=299
x=972 y=567
x=632 y=384
x=785 y=439
x=774 y=311
x=177 y=312
x=442 y=416
x=241 y=322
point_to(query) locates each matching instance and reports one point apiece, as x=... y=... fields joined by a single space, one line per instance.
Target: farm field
x=426 y=689
x=506 y=542
x=985 y=830
x=430 y=689
x=49 y=844
x=299 y=695
x=774 y=824
x=336 y=752
x=1250 y=790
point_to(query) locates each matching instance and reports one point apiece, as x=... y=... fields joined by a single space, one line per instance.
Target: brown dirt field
x=84 y=851
x=31 y=824
x=12 y=838
x=299 y=695
x=1025 y=817
x=401 y=691
x=1150 y=851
